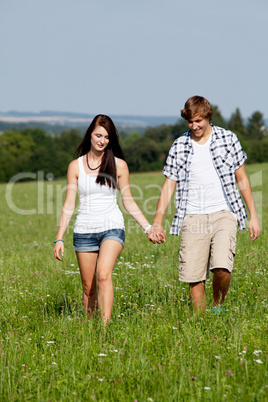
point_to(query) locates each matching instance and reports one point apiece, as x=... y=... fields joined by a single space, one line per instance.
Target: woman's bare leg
x=108 y=254
x=87 y=264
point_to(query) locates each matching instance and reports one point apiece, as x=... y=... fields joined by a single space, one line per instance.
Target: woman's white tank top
x=98 y=209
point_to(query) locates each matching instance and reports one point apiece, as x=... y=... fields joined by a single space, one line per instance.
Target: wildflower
x=102 y=354
x=174 y=328
x=115 y=350
x=257 y=352
x=50 y=341
x=54 y=363
x=217 y=357
x=258 y=361
x=207 y=388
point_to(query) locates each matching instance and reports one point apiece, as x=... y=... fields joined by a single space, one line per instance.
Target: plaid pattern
x=227 y=156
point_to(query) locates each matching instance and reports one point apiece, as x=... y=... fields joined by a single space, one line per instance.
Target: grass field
x=155 y=349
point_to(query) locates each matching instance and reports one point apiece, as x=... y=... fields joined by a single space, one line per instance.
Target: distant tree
x=143 y=155
x=38 y=134
x=258 y=150
x=43 y=155
x=158 y=133
x=147 y=154
x=68 y=141
x=46 y=159
x=179 y=128
x=7 y=166
x=236 y=123
x=19 y=148
x=62 y=160
x=217 y=119
x=122 y=134
x=130 y=139
x=16 y=143
x=256 y=127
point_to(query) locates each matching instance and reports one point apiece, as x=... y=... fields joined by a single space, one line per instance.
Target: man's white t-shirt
x=206 y=194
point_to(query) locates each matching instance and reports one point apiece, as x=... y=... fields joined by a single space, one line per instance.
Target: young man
x=204 y=164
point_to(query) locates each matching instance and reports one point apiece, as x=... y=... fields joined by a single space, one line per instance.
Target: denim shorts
x=87 y=242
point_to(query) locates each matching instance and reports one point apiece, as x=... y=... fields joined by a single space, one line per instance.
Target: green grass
x=155 y=349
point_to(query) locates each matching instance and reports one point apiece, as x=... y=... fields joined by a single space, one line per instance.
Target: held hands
x=59 y=250
x=254 y=228
x=157 y=234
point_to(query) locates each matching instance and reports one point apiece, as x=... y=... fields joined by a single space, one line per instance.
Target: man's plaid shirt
x=227 y=156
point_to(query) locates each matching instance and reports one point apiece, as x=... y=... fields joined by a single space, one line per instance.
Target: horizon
x=44 y=115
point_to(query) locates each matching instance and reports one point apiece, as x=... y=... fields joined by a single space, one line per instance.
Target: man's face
x=199 y=127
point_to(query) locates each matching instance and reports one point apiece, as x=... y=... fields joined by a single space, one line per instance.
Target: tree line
x=33 y=149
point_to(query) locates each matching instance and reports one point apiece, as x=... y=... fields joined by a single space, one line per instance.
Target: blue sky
x=142 y=57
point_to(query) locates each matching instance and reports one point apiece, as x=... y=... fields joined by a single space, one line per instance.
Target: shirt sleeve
x=170 y=169
x=239 y=156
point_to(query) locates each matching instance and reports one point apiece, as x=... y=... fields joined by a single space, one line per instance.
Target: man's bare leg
x=198 y=295
x=220 y=285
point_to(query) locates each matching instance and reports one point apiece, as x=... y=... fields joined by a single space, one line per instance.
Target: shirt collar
x=214 y=135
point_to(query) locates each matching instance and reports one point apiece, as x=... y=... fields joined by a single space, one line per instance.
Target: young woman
x=99 y=231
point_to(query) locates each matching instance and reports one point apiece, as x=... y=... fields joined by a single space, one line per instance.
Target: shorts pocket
x=182 y=254
x=232 y=248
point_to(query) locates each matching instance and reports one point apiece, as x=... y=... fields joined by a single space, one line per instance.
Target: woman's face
x=99 y=139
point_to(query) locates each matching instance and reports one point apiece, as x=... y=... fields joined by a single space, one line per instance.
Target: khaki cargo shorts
x=207 y=242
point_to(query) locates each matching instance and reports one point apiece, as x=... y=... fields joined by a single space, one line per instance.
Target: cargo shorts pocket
x=182 y=254
x=232 y=249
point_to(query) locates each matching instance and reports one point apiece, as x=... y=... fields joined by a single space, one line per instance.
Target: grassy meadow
x=156 y=348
